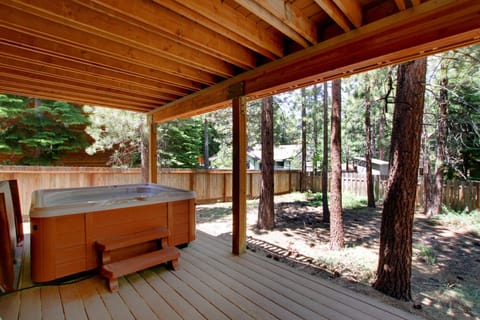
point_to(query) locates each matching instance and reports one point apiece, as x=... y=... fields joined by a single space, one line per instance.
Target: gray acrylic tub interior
x=55 y=202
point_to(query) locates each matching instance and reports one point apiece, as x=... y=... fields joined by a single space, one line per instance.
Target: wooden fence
x=211 y=185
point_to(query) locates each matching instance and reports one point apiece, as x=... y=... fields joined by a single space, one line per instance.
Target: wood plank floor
x=209 y=284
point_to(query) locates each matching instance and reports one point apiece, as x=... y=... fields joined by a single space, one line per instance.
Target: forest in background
x=42 y=130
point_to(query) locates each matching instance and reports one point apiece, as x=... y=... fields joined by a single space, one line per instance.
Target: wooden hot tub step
x=114 y=270
x=106 y=246
x=132 y=239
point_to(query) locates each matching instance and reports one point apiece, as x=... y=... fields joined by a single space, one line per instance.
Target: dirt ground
x=445 y=279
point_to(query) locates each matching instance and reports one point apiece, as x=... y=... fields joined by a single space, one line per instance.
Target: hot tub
x=65 y=223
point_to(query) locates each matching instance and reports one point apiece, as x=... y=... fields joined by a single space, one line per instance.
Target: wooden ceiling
x=175 y=58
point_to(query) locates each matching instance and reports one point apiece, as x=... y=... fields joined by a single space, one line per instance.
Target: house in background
x=286 y=157
x=379 y=167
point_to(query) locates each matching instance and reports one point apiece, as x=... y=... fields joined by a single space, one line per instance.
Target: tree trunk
x=428 y=188
x=336 y=217
x=383 y=120
x=368 y=151
x=303 y=175
x=206 y=161
x=437 y=196
x=315 y=129
x=144 y=150
x=266 y=214
x=395 y=256
x=325 y=209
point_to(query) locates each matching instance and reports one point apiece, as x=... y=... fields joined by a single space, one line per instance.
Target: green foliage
x=426 y=253
x=349 y=200
x=457 y=72
x=181 y=142
x=41 y=131
x=464 y=221
x=123 y=131
x=380 y=85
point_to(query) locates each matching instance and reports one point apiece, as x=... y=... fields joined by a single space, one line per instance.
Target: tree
x=368 y=147
x=325 y=209
x=315 y=129
x=336 y=216
x=395 y=255
x=123 y=131
x=303 y=176
x=181 y=142
x=266 y=214
x=40 y=131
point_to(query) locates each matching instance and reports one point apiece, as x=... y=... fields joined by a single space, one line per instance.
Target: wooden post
x=152 y=150
x=239 y=176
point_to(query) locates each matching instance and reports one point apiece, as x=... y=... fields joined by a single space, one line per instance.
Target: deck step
x=132 y=239
x=112 y=271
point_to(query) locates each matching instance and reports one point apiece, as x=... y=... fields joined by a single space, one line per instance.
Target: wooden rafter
x=432 y=27
x=68 y=21
x=401 y=4
x=17 y=56
x=285 y=18
x=352 y=10
x=149 y=16
x=226 y=18
x=181 y=54
x=335 y=13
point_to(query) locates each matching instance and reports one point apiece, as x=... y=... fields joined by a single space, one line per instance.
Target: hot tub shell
x=65 y=223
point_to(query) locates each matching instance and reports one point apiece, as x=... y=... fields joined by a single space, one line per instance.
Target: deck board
x=10 y=305
x=210 y=283
x=94 y=306
x=329 y=302
x=30 y=304
x=73 y=307
x=156 y=303
x=51 y=303
x=116 y=307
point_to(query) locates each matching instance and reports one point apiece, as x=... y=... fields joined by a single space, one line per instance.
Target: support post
x=152 y=150
x=239 y=176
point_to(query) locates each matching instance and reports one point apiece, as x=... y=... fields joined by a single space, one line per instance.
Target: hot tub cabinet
x=66 y=223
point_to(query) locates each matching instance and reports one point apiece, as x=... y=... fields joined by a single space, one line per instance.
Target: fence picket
x=213 y=185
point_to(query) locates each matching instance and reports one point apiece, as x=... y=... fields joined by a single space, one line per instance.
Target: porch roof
x=175 y=58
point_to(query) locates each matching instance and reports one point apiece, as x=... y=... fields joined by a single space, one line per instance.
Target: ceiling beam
x=85 y=70
x=40 y=72
x=34 y=89
x=49 y=30
x=57 y=49
x=431 y=27
x=335 y=13
x=352 y=10
x=226 y=23
x=148 y=15
x=72 y=87
x=401 y=5
x=284 y=17
x=81 y=18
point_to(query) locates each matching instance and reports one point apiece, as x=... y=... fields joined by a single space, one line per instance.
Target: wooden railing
x=211 y=185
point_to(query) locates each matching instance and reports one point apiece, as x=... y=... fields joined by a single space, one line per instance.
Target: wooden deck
x=209 y=284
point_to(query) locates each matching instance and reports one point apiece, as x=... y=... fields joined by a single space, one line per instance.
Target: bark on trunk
x=436 y=207
x=315 y=129
x=266 y=214
x=368 y=153
x=325 y=209
x=336 y=217
x=303 y=176
x=395 y=256
x=206 y=161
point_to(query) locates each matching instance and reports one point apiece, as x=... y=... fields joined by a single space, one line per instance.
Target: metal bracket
x=236 y=90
